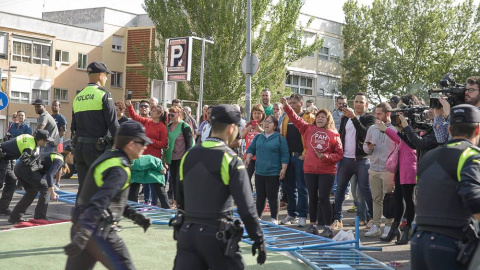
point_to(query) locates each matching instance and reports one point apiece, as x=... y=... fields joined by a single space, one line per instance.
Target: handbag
x=389 y=205
x=392 y=160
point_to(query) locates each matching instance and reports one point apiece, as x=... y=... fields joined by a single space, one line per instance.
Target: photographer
x=441 y=120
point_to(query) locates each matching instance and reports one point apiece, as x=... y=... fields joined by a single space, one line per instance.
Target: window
x=117 y=43
x=41 y=94
x=60 y=94
x=3 y=45
x=323 y=53
x=299 y=84
x=32 y=51
x=20 y=97
x=33 y=125
x=82 y=61
x=62 y=56
x=117 y=79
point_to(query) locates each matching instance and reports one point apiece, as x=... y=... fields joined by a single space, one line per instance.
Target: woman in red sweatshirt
x=323 y=151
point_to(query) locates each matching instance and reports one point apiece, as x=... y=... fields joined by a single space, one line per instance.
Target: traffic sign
x=3 y=100
x=255 y=65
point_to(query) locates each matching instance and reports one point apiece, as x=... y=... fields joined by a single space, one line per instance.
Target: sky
x=326 y=9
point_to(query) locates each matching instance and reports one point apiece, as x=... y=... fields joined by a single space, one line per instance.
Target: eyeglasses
x=471 y=90
x=267 y=122
x=143 y=143
x=143 y=106
x=171 y=114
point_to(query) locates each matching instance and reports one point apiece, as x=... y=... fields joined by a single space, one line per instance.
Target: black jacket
x=422 y=144
x=361 y=125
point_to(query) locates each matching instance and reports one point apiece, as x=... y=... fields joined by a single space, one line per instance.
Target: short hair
x=279 y=105
x=410 y=100
x=463 y=129
x=474 y=80
x=258 y=108
x=19 y=111
x=121 y=141
x=362 y=94
x=120 y=105
x=218 y=127
x=144 y=100
x=266 y=90
x=310 y=101
x=176 y=101
x=384 y=106
x=297 y=96
x=176 y=109
x=187 y=108
x=59 y=104
x=341 y=97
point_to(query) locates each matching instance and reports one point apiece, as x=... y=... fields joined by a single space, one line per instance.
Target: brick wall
x=142 y=40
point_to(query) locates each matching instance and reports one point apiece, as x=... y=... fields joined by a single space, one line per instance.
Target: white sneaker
x=274 y=221
x=302 y=222
x=289 y=220
x=374 y=231
x=386 y=230
x=369 y=225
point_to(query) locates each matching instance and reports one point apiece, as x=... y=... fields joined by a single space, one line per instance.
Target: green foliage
x=276 y=41
x=404 y=46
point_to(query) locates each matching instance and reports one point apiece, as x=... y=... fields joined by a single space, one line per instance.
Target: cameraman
x=441 y=120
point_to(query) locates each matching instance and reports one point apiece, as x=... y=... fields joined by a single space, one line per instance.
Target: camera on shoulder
x=454 y=92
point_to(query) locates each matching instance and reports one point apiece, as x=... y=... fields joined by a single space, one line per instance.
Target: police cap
x=97 y=67
x=42 y=134
x=133 y=129
x=464 y=113
x=226 y=114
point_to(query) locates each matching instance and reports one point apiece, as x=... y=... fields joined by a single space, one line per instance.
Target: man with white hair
x=189 y=119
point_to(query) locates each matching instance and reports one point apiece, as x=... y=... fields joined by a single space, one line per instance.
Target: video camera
x=454 y=92
x=416 y=117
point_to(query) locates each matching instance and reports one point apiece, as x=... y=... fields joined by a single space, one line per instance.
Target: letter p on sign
x=176 y=52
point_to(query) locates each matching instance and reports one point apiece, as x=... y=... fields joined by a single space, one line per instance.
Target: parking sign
x=179 y=61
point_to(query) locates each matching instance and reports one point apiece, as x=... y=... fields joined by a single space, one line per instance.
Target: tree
x=404 y=46
x=276 y=41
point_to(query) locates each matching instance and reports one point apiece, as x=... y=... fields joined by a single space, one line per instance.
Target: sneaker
x=302 y=222
x=386 y=230
x=15 y=220
x=327 y=233
x=369 y=225
x=289 y=220
x=374 y=231
x=312 y=228
x=57 y=187
x=352 y=210
x=337 y=225
x=274 y=221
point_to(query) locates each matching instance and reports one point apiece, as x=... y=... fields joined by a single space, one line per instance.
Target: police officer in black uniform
x=37 y=177
x=101 y=203
x=210 y=175
x=12 y=149
x=94 y=115
x=448 y=208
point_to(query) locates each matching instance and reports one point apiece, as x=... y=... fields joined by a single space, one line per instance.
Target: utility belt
x=230 y=232
x=104 y=225
x=100 y=143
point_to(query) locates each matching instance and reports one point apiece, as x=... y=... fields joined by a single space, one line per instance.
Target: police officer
x=210 y=175
x=38 y=179
x=94 y=115
x=101 y=203
x=10 y=150
x=448 y=183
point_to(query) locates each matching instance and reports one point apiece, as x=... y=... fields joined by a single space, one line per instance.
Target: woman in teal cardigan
x=148 y=170
x=271 y=150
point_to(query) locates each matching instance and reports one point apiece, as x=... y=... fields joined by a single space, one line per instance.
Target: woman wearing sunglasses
x=180 y=138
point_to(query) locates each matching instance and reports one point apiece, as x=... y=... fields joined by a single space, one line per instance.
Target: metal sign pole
x=200 y=96
x=248 y=75
x=165 y=77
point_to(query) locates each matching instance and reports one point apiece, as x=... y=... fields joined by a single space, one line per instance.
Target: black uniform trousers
x=434 y=251
x=198 y=248
x=85 y=154
x=8 y=177
x=33 y=183
x=111 y=252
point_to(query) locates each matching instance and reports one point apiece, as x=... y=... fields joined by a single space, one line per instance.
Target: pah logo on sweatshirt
x=320 y=141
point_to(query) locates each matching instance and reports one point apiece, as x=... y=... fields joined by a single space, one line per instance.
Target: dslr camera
x=454 y=92
x=416 y=117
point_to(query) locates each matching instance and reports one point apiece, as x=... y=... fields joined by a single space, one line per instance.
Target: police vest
x=25 y=141
x=94 y=180
x=205 y=174
x=48 y=161
x=89 y=99
x=439 y=204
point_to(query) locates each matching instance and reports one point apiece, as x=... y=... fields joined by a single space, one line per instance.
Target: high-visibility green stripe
x=56 y=156
x=241 y=167
x=89 y=99
x=469 y=152
x=107 y=164
x=25 y=141
x=224 y=170
x=210 y=144
x=180 y=171
x=454 y=144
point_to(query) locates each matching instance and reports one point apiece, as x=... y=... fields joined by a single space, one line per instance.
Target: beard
x=474 y=101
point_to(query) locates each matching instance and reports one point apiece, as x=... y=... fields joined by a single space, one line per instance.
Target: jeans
x=349 y=167
x=334 y=188
x=296 y=188
x=156 y=189
x=434 y=251
x=358 y=199
x=149 y=194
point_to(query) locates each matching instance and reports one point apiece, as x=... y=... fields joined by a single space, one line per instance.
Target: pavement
x=391 y=252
